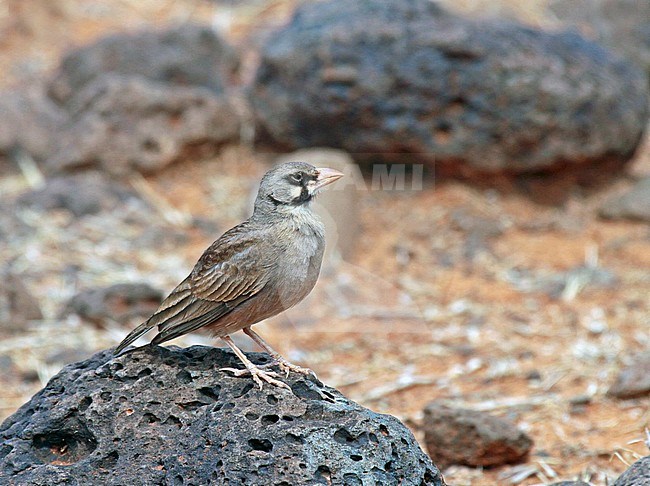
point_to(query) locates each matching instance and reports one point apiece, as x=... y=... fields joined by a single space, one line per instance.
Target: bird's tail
x=133 y=335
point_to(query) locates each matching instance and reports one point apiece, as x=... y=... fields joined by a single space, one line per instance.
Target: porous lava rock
x=187 y=55
x=170 y=416
x=638 y=474
x=406 y=81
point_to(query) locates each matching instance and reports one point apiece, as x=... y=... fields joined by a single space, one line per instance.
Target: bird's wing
x=231 y=271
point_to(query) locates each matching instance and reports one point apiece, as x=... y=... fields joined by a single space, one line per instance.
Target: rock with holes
x=129 y=123
x=638 y=474
x=407 y=81
x=170 y=416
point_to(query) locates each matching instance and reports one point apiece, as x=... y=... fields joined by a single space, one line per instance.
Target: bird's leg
x=284 y=365
x=257 y=373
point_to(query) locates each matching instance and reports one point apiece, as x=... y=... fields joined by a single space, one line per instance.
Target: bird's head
x=293 y=184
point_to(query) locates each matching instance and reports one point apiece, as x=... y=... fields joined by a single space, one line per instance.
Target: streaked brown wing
x=232 y=270
x=234 y=265
x=229 y=272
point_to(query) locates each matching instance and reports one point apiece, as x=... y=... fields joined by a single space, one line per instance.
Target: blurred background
x=489 y=248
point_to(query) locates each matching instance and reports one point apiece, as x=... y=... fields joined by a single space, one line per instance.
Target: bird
x=254 y=271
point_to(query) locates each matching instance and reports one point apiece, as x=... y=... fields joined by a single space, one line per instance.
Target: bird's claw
x=258 y=375
x=288 y=367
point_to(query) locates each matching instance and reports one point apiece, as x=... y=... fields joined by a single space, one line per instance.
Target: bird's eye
x=297 y=176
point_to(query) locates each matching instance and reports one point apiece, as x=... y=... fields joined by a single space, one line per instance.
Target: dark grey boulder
x=188 y=55
x=121 y=124
x=637 y=475
x=406 y=81
x=81 y=194
x=169 y=416
x=129 y=102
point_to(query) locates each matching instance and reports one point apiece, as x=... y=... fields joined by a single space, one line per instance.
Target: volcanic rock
x=81 y=194
x=467 y=437
x=396 y=80
x=125 y=123
x=170 y=416
x=188 y=55
x=638 y=474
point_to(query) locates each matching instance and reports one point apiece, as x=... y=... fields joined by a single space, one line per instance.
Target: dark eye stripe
x=304 y=196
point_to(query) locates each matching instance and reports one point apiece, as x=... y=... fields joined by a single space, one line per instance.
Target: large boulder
x=188 y=55
x=130 y=123
x=81 y=194
x=128 y=102
x=170 y=416
x=405 y=80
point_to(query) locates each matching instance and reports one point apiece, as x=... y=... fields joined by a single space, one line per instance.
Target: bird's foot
x=288 y=367
x=259 y=375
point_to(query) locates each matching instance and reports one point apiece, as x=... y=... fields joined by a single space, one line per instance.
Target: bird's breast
x=298 y=267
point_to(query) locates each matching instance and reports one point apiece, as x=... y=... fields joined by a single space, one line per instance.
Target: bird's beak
x=326 y=176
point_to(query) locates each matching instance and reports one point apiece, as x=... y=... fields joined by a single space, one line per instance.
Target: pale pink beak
x=326 y=176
